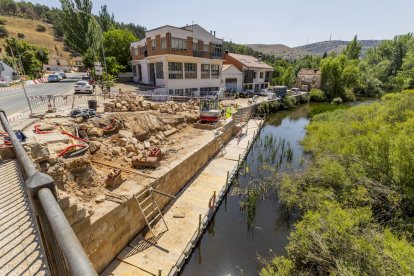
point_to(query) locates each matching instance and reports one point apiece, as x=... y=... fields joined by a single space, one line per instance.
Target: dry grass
x=28 y=28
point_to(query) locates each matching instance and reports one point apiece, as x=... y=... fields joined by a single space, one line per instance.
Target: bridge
x=35 y=236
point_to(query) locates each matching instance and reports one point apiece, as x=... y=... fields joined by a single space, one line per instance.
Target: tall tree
x=105 y=20
x=117 y=44
x=353 y=49
x=81 y=29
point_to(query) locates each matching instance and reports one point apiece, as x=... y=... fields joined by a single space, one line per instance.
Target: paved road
x=14 y=101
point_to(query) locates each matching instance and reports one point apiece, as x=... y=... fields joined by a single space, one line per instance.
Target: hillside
x=318 y=48
x=279 y=50
x=28 y=28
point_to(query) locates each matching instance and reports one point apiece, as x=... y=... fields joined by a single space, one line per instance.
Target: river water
x=249 y=225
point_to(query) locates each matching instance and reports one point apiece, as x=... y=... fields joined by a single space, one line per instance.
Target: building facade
x=232 y=78
x=185 y=61
x=256 y=74
x=308 y=79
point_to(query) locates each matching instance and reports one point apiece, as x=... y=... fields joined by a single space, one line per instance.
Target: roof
x=226 y=66
x=250 y=61
x=308 y=71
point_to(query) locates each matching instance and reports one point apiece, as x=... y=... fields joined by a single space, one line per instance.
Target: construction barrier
x=43 y=103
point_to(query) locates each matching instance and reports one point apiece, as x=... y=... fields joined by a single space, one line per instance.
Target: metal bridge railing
x=65 y=255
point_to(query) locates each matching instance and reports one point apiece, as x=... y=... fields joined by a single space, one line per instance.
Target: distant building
x=57 y=63
x=183 y=60
x=7 y=73
x=256 y=74
x=308 y=79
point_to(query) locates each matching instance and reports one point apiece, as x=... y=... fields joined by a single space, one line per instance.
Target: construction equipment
x=210 y=110
x=149 y=208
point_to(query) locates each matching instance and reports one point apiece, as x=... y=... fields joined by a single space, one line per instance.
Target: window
x=171 y=92
x=175 y=70
x=159 y=69
x=135 y=51
x=215 y=71
x=164 y=43
x=190 y=70
x=154 y=45
x=205 y=47
x=195 y=45
x=178 y=44
x=205 y=71
x=190 y=91
x=179 y=92
x=217 y=50
x=261 y=75
x=206 y=91
x=134 y=70
x=142 y=50
x=254 y=75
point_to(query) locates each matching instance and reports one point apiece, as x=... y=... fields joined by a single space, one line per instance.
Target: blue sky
x=292 y=23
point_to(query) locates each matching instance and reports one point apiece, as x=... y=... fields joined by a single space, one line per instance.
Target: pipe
x=75 y=256
x=24 y=159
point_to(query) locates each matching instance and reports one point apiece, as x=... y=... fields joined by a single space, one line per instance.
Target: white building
x=7 y=73
x=232 y=78
x=256 y=74
x=184 y=61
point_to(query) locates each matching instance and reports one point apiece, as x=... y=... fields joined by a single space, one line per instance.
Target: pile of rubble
x=132 y=103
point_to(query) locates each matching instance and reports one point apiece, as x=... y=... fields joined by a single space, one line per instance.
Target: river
x=236 y=237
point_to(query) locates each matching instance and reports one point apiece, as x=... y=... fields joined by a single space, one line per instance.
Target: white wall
x=232 y=73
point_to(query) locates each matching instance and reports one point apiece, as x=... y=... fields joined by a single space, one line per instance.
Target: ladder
x=149 y=209
x=221 y=144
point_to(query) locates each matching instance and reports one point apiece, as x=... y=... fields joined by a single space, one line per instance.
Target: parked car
x=53 y=78
x=61 y=73
x=246 y=94
x=263 y=92
x=272 y=96
x=89 y=79
x=295 y=91
x=83 y=87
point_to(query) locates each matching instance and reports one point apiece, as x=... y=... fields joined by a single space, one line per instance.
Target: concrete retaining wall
x=105 y=237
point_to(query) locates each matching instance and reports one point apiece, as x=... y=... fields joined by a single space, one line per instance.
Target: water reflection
x=250 y=221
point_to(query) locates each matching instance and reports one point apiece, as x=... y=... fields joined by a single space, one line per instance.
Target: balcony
x=217 y=56
x=202 y=54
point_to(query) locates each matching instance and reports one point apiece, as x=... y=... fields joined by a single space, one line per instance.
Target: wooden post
x=159 y=272
x=199 y=224
x=227 y=179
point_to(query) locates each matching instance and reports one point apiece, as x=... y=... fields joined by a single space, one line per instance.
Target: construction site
x=139 y=180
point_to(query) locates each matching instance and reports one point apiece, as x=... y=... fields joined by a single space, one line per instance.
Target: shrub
x=317 y=95
x=40 y=28
x=289 y=103
x=21 y=35
x=337 y=100
x=2 y=22
x=349 y=95
x=3 y=32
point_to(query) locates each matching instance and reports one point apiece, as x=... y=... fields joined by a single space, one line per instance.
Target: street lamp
x=96 y=21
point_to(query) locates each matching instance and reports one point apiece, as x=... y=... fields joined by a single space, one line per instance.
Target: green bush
x=288 y=103
x=2 y=22
x=349 y=95
x=337 y=101
x=317 y=95
x=3 y=32
x=40 y=28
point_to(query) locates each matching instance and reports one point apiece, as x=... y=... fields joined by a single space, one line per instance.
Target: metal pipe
x=162 y=193
x=75 y=256
x=24 y=159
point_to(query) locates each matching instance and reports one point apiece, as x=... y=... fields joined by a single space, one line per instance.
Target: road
x=14 y=101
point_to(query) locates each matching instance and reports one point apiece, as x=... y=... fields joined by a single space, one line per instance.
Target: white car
x=83 y=87
x=263 y=92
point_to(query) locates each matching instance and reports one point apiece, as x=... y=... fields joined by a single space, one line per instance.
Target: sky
x=292 y=23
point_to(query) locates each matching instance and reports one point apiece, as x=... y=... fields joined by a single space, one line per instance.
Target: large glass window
x=175 y=70
x=190 y=70
x=217 y=50
x=179 y=92
x=205 y=71
x=215 y=71
x=189 y=92
x=261 y=75
x=163 y=43
x=178 y=44
x=205 y=48
x=208 y=91
x=159 y=69
x=195 y=45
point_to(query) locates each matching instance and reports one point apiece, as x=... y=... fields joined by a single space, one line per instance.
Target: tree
x=31 y=57
x=353 y=49
x=105 y=20
x=81 y=31
x=117 y=44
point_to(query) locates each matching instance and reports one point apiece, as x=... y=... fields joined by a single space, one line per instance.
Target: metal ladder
x=149 y=210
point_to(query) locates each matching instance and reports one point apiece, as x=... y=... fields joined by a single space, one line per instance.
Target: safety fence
x=163 y=96
x=64 y=253
x=55 y=103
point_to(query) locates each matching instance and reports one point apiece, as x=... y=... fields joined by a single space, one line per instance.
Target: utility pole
x=18 y=74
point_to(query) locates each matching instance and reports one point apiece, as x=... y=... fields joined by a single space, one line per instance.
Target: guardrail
x=64 y=253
